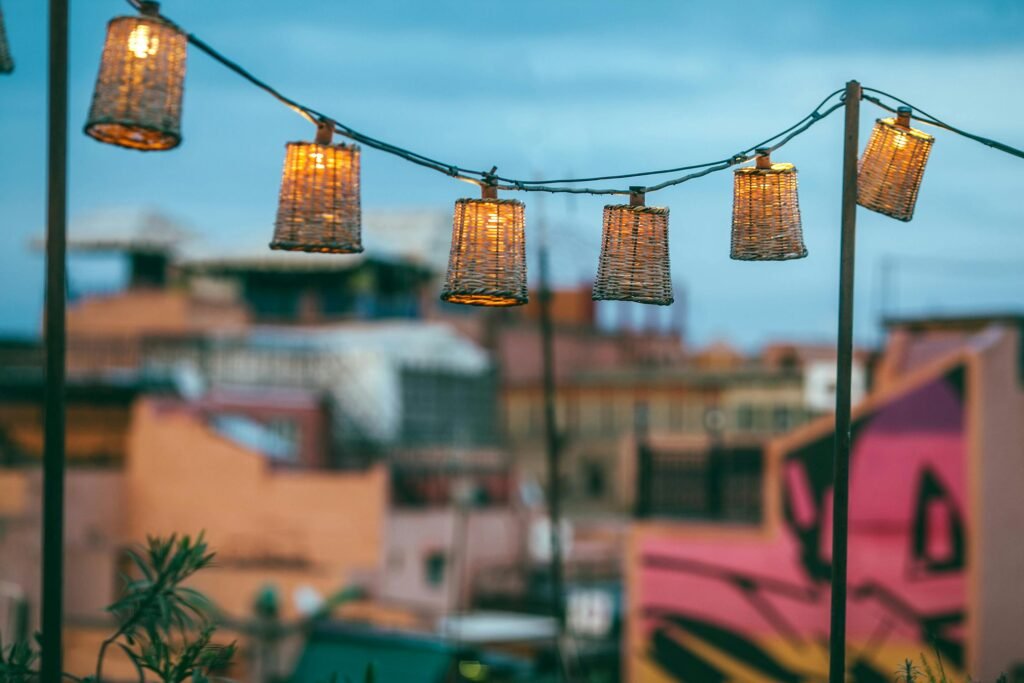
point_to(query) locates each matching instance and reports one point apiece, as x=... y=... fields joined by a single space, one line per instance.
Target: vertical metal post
x=553 y=445
x=841 y=461
x=55 y=331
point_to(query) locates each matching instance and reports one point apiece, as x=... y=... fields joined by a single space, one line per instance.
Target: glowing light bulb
x=899 y=141
x=142 y=43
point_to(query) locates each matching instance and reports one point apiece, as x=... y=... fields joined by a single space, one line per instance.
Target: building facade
x=936 y=471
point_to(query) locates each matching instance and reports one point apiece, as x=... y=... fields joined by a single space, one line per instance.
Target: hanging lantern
x=6 y=62
x=634 y=263
x=892 y=166
x=766 y=212
x=137 y=100
x=487 y=263
x=318 y=209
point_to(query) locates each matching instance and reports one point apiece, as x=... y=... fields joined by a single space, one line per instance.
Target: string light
x=137 y=99
x=6 y=61
x=892 y=166
x=487 y=263
x=137 y=104
x=634 y=264
x=766 y=212
x=319 y=209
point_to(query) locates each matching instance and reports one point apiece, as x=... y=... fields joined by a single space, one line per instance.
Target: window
x=714 y=485
x=270 y=302
x=536 y=418
x=676 y=416
x=434 y=565
x=594 y=479
x=781 y=421
x=641 y=417
x=607 y=416
x=745 y=418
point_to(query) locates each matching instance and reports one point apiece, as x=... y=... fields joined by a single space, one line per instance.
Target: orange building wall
x=93 y=431
x=292 y=529
x=140 y=312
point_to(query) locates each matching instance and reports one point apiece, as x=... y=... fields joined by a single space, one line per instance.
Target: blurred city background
x=369 y=463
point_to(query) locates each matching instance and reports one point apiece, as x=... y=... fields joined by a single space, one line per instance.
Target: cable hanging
x=479 y=177
x=137 y=104
x=925 y=117
x=500 y=182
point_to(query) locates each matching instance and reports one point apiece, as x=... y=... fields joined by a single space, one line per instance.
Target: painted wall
x=753 y=604
x=292 y=529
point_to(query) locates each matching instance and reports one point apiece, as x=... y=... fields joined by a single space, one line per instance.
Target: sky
x=549 y=88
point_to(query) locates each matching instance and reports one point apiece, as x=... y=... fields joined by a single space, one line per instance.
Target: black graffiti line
x=791 y=590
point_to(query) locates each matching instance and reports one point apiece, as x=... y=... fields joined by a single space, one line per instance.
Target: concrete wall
x=140 y=312
x=293 y=529
x=469 y=542
x=998 y=486
x=94 y=532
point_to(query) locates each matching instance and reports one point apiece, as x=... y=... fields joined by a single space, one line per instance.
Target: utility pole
x=55 y=343
x=552 y=443
x=844 y=367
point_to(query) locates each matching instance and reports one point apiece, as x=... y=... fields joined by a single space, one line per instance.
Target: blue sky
x=569 y=87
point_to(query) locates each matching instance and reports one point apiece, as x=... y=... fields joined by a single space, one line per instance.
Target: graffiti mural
x=716 y=607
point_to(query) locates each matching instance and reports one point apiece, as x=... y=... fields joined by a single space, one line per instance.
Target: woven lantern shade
x=487 y=263
x=766 y=213
x=892 y=166
x=319 y=208
x=137 y=100
x=6 y=62
x=634 y=263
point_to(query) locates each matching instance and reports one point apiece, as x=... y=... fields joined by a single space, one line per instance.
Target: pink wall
x=755 y=605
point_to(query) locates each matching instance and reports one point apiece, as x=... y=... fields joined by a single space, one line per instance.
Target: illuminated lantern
x=137 y=100
x=6 y=62
x=487 y=263
x=634 y=263
x=766 y=212
x=319 y=208
x=892 y=166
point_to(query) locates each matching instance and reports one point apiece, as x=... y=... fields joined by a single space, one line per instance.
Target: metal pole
x=844 y=365
x=55 y=332
x=553 y=446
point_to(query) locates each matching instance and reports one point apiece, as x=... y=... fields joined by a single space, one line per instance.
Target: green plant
x=909 y=673
x=163 y=627
x=16 y=662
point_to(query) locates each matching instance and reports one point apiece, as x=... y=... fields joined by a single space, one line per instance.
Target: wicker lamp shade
x=634 y=263
x=137 y=100
x=766 y=213
x=487 y=263
x=892 y=166
x=319 y=207
x=6 y=62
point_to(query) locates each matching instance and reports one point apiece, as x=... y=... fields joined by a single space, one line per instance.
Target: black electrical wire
x=924 y=117
x=554 y=185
